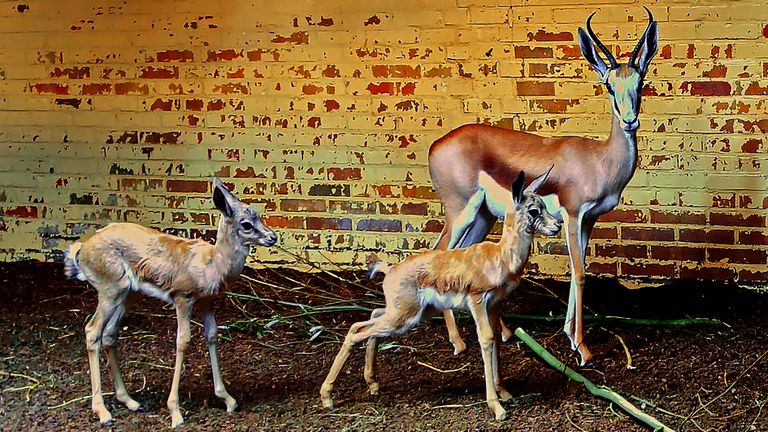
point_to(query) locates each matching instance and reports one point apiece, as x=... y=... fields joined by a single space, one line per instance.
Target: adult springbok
x=125 y=258
x=476 y=278
x=587 y=181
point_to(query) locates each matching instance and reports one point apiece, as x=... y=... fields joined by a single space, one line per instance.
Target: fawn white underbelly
x=146 y=288
x=429 y=296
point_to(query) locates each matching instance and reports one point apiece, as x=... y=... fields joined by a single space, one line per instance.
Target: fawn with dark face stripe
x=474 y=279
x=125 y=258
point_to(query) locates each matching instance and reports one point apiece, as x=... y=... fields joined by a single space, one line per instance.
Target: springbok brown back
x=125 y=258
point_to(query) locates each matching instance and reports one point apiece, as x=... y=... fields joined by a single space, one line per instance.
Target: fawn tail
x=71 y=269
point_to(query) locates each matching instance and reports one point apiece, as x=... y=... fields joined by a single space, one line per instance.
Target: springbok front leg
x=109 y=339
x=183 y=316
x=497 y=326
x=210 y=331
x=576 y=252
x=487 y=340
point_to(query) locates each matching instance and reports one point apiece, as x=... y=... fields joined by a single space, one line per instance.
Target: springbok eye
x=246 y=225
x=534 y=212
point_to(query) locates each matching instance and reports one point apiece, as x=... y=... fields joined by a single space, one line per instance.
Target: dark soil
x=715 y=376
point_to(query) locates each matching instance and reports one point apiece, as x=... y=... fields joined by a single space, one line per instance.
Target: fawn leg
x=109 y=341
x=497 y=322
x=486 y=338
x=93 y=332
x=459 y=346
x=210 y=330
x=183 y=313
x=370 y=357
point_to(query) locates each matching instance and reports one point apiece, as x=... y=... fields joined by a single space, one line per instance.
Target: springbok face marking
x=624 y=82
x=251 y=228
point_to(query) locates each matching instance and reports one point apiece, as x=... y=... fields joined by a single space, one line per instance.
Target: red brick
x=677 y=253
x=424 y=192
x=320 y=223
x=731 y=219
x=707 y=236
x=274 y=221
x=175 y=55
x=231 y=88
x=224 y=55
x=71 y=73
x=706 y=88
x=535 y=88
x=51 y=88
x=379 y=225
x=297 y=38
x=649 y=269
x=352 y=207
x=194 y=104
x=552 y=248
x=545 y=36
x=26 y=212
x=195 y=186
x=604 y=233
x=757 y=238
x=751 y=145
x=630 y=216
x=751 y=276
x=647 y=234
x=96 y=89
x=420 y=209
x=535 y=52
x=600 y=268
x=344 y=173
x=302 y=205
x=620 y=250
x=707 y=273
x=755 y=89
x=131 y=88
x=151 y=72
x=739 y=256
x=433 y=225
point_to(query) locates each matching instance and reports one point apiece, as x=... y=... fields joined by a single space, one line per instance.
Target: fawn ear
x=222 y=197
x=538 y=181
x=517 y=188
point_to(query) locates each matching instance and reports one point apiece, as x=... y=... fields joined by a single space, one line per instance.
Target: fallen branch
x=600 y=391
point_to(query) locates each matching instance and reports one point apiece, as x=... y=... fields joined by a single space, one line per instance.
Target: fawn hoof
x=108 y=424
x=231 y=408
x=327 y=403
x=140 y=409
x=501 y=414
x=373 y=388
x=459 y=347
x=134 y=406
x=177 y=420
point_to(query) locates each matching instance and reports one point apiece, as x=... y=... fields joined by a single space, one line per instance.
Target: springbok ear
x=590 y=54
x=651 y=42
x=538 y=181
x=517 y=188
x=222 y=197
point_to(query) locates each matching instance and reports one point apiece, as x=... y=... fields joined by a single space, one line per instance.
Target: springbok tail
x=71 y=269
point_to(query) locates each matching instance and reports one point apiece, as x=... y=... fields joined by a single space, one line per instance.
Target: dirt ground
x=691 y=378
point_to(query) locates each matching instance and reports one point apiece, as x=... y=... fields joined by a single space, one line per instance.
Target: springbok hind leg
x=210 y=332
x=183 y=315
x=369 y=372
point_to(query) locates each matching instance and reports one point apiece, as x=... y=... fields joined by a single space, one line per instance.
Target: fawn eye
x=534 y=212
x=246 y=225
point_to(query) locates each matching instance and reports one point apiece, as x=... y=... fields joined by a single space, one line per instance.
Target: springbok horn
x=636 y=51
x=608 y=55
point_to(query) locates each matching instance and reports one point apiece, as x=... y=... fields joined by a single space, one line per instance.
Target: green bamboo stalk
x=680 y=322
x=599 y=391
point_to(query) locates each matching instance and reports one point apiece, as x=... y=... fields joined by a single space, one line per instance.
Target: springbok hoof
x=108 y=424
x=140 y=409
x=373 y=388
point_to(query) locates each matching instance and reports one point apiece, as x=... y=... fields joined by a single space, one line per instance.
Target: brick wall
x=322 y=112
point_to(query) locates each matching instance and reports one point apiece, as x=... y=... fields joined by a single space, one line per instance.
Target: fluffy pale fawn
x=125 y=258
x=476 y=279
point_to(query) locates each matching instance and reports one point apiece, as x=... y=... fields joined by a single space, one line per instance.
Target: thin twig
x=704 y=406
x=80 y=399
x=429 y=366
